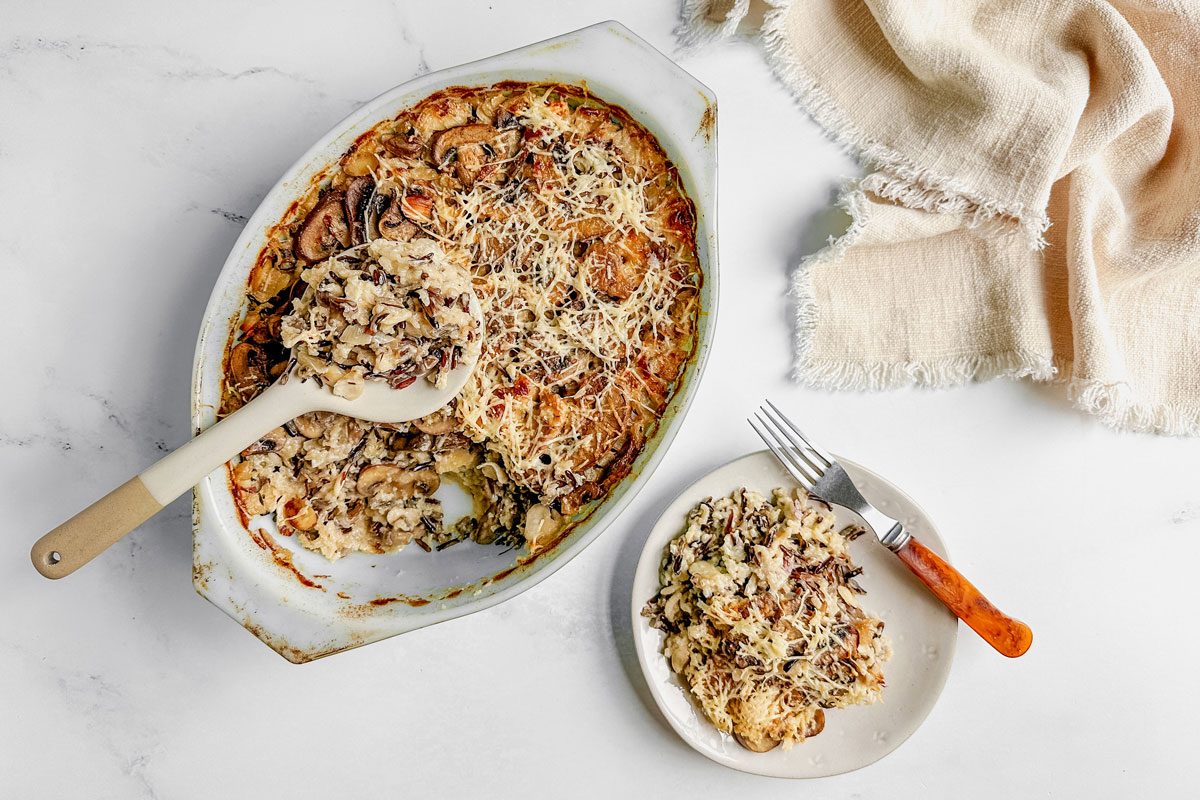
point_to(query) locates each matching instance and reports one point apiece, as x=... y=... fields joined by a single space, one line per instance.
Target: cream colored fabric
x=1033 y=205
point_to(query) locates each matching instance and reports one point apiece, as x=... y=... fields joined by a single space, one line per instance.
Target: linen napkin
x=1032 y=207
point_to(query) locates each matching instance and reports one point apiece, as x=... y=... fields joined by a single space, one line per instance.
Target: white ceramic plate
x=923 y=635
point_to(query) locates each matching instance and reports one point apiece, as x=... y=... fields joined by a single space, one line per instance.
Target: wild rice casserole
x=393 y=311
x=762 y=617
x=581 y=248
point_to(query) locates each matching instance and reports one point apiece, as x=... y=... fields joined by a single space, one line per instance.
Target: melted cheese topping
x=577 y=280
x=582 y=254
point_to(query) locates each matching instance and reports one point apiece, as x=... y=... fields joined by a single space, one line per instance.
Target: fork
x=823 y=476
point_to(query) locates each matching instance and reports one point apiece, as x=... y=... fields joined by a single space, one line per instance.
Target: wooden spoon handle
x=1009 y=636
x=93 y=530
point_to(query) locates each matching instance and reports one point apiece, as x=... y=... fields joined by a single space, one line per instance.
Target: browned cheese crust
x=583 y=255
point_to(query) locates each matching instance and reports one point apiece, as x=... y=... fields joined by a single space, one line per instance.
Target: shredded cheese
x=577 y=280
x=762 y=618
x=581 y=249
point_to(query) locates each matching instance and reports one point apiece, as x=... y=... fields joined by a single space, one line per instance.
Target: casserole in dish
x=296 y=601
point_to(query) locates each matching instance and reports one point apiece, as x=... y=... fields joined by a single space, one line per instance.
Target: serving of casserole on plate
x=584 y=209
x=828 y=665
x=763 y=615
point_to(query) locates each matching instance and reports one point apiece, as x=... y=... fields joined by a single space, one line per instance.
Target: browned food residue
x=281 y=556
x=708 y=121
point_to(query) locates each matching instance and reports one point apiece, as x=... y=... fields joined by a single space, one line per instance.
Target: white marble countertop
x=134 y=141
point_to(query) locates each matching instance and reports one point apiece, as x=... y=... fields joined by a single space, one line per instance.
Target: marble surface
x=136 y=138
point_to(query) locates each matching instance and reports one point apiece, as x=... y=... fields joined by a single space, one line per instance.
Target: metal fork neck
x=891 y=533
x=895 y=538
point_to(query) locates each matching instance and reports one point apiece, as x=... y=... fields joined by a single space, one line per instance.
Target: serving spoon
x=93 y=530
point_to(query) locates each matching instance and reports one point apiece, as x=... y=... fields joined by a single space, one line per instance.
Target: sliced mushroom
x=404 y=483
x=401 y=231
x=755 y=743
x=850 y=642
x=262 y=328
x=249 y=366
x=478 y=152
x=423 y=482
x=273 y=441
x=392 y=224
x=506 y=119
x=324 y=230
x=436 y=423
x=470 y=163
x=405 y=146
x=448 y=141
x=358 y=195
x=375 y=474
x=406 y=141
x=377 y=206
x=503 y=163
x=617 y=269
x=310 y=426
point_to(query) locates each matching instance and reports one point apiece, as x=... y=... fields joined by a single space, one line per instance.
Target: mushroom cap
x=755 y=743
x=358 y=196
x=324 y=230
x=438 y=422
x=310 y=426
x=478 y=152
x=250 y=366
x=454 y=138
x=403 y=482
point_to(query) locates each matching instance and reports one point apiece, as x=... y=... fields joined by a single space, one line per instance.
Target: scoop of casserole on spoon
x=384 y=332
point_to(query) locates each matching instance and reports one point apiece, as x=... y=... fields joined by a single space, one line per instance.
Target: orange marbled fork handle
x=1009 y=636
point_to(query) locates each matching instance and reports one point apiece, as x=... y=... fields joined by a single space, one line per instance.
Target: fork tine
x=798 y=470
x=795 y=448
x=781 y=453
x=828 y=459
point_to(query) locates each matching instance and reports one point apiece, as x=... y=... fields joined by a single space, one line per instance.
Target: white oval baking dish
x=305 y=607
